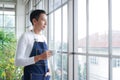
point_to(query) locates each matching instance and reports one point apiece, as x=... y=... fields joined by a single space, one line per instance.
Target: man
x=32 y=51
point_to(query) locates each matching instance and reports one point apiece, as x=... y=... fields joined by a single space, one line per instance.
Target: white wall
x=20 y=18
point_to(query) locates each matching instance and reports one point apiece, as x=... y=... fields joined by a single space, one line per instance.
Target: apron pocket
x=37 y=76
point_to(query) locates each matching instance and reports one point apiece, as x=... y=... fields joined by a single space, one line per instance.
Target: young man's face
x=42 y=22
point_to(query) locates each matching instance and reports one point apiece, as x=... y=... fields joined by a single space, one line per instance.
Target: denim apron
x=38 y=70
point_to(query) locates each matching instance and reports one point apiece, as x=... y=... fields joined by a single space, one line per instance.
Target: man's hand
x=48 y=73
x=43 y=56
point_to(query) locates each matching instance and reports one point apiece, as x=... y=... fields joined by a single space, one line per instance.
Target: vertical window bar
x=87 y=33
x=53 y=38
x=110 y=37
x=73 y=40
x=62 y=40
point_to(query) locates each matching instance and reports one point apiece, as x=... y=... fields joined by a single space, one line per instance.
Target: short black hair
x=35 y=14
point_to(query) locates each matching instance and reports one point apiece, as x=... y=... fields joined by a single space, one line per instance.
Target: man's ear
x=34 y=21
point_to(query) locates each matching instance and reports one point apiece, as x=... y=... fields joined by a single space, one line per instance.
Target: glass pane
x=65 y=28
x=98 y=68
x=81 y=25
x=64 y=63
x=81 y=67
x=9 y=29
x=9 y=12
x=116 y=69
x=1 y=20
x=98 y=26
x=1 y=12
x=63 y=1
x=51 y=39
x=116 y=27
x=9 y=21
x=40 y=5
x=58 y=66
x=57 y=3
x=58 y=29
x=50 y=5
x=9 y=6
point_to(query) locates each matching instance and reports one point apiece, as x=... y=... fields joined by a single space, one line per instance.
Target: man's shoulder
x=27 y=33
x=27 y=36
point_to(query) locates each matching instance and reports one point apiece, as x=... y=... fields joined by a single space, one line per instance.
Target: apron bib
x=38 y=70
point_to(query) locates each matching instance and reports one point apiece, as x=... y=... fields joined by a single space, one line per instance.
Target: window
x=58 y=30
x=94 y=36
x=7 y=17
x=58 y=41
x=99 y=71
x=98 y=37
x=81 y=26
x=98 y=26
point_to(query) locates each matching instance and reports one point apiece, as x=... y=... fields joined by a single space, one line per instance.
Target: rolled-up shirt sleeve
x=20 y=57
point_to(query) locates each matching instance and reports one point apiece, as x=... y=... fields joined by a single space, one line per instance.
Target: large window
x=7 y=41
x=98 y=38
x=94 y=34
x=58 y=40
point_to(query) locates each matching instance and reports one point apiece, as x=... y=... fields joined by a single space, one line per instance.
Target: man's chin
x=42 y=28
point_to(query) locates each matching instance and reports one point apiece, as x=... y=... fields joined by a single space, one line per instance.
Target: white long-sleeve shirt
x=24 y=48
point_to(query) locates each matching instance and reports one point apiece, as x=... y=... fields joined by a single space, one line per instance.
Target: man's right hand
x=43 y=56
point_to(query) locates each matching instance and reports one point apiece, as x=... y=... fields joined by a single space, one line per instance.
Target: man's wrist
x=37 y=58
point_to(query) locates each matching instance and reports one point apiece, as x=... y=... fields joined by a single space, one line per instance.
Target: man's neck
x=36 y=31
